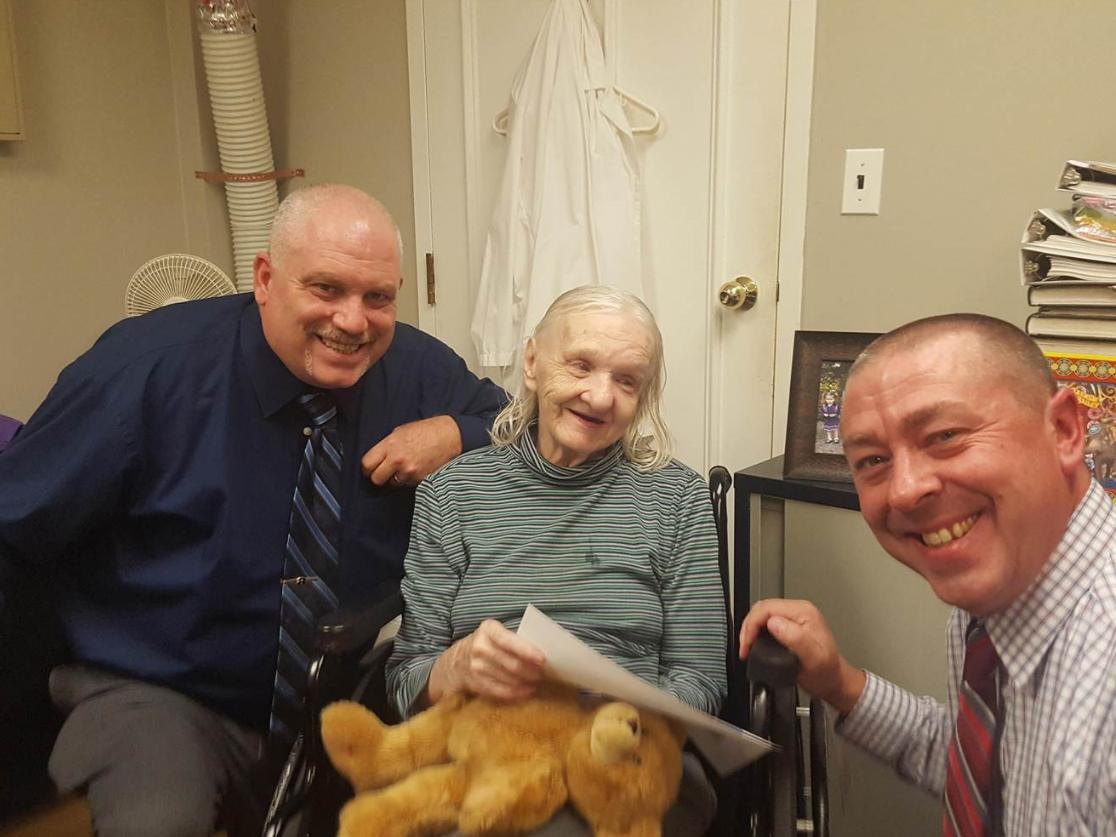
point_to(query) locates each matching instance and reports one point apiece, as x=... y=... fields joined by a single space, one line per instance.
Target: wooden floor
x=66 y=818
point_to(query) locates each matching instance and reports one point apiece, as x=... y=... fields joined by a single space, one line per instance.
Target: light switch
x=863 y=179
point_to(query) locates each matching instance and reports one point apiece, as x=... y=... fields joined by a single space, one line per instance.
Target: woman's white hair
x=647 y=441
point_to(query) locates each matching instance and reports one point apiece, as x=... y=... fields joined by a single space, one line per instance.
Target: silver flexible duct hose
x=232 y=74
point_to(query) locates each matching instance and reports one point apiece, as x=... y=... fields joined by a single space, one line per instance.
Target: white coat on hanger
x=569 y=206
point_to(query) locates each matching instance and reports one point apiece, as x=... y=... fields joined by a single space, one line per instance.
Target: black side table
x=766 y=479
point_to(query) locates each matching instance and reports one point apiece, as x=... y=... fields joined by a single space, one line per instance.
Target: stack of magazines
x=1068 y=258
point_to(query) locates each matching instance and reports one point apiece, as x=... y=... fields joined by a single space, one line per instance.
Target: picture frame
x=819 y=371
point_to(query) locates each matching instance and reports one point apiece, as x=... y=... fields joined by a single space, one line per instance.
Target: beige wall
x=93 y=190
x=116 y=123
x=977 y=105
x=335 y=79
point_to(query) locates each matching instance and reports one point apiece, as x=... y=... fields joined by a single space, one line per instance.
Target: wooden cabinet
x=11 y=116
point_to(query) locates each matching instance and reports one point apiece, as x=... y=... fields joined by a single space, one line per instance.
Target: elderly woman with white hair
x=578 y=509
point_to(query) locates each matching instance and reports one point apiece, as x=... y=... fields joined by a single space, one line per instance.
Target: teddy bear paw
x=351 y=735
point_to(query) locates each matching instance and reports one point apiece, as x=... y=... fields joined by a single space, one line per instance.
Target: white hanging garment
x=568 y=211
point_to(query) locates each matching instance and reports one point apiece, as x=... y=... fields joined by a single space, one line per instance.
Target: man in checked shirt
x=968 y=462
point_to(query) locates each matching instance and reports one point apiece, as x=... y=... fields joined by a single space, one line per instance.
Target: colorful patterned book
x=1089 y=367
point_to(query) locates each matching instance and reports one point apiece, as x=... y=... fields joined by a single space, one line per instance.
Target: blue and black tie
x=310 y=566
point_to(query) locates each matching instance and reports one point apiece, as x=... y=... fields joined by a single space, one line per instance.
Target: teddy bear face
x=616 y=734
x=624 y=771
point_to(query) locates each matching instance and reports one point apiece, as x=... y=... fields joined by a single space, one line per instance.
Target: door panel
x=716 y=72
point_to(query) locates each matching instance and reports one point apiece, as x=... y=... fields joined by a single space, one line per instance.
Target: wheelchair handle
x=771 y=664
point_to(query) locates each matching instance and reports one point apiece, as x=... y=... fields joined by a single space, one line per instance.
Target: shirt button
x=306 y=431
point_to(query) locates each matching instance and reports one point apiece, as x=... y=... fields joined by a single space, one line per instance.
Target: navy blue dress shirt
x=155 y=484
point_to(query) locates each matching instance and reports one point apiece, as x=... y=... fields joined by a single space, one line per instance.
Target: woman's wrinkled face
x=589 y=372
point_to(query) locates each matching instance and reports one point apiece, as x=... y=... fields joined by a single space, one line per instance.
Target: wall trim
x=716 y=259
x=471 y=96
x=792 y=204
x=420 y=156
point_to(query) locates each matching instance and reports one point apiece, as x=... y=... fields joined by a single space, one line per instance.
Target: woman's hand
x=490 y=662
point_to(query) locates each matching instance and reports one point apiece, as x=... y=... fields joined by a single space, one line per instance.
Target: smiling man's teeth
x=943 y=536
x=343 y=348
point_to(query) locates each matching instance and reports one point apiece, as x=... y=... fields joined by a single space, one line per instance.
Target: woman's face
x=589 y=372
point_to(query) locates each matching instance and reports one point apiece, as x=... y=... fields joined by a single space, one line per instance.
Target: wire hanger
x=653 y=127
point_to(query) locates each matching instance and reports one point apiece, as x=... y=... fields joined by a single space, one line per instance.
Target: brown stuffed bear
x=494 y=768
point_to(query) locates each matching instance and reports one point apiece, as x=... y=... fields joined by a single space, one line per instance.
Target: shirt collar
x=1024 y=631
x=589 y=472
x=274 y=384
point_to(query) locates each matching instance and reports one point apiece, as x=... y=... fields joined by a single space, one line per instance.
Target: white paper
x=727 y=747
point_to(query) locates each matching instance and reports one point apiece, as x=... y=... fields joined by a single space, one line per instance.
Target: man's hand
x=411 y=451
x=799 y=626
x=490 y=662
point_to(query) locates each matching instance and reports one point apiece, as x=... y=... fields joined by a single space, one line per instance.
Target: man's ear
x=1066 y=419
x=530 y=358
x=261 y=276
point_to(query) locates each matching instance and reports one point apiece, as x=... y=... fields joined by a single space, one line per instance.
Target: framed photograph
x=819 y=371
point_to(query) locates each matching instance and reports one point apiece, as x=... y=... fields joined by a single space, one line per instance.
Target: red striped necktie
x=972 y=778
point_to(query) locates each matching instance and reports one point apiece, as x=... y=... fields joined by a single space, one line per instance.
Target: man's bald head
x=1001 y=351
x=968 y=461
x=298 y=211
x=326 y=289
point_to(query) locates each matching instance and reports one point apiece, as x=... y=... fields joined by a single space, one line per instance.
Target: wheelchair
x=765 y=799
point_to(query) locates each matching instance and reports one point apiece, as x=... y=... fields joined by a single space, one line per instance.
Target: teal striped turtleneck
x=626 y=560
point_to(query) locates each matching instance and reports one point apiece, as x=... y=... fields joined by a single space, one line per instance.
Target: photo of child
x=831 y=389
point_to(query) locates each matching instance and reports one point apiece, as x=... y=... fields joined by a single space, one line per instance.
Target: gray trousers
x=690 y=816
x=152 y=762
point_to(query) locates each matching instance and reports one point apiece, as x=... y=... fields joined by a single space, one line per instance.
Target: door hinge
x=431 y=297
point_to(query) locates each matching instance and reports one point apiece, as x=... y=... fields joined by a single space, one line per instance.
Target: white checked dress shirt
x=1057 y=644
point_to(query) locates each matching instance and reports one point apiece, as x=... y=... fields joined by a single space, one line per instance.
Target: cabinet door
x=887 y=620
x=11 y=123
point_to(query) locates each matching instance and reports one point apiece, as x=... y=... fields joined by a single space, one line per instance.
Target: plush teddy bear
x=493 y=768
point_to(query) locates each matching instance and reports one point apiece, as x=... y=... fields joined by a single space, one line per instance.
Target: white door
x=717 y=72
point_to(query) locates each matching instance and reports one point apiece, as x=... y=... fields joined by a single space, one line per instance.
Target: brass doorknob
x=738 y=293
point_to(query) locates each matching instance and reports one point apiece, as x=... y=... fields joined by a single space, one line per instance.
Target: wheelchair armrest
x=354 y=629
x=771 y=664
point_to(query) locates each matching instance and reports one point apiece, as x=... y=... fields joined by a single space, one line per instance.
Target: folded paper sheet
x=727 y=747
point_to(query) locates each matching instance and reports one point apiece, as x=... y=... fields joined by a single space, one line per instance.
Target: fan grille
x=175 y=277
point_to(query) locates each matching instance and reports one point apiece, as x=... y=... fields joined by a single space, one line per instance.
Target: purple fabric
x=8 y=429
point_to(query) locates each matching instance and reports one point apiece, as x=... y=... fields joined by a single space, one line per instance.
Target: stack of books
x=1068 y=259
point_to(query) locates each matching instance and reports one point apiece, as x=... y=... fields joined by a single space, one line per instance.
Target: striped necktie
x=310 y=566
x=972 y=778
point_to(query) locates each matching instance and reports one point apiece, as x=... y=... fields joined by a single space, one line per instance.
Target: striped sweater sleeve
x=692 y=658
x=433 y=568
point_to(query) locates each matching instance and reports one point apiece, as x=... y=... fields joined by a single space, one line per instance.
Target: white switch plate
x=863 y=179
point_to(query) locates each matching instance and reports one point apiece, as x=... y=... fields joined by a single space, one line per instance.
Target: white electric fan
x=175 y=277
